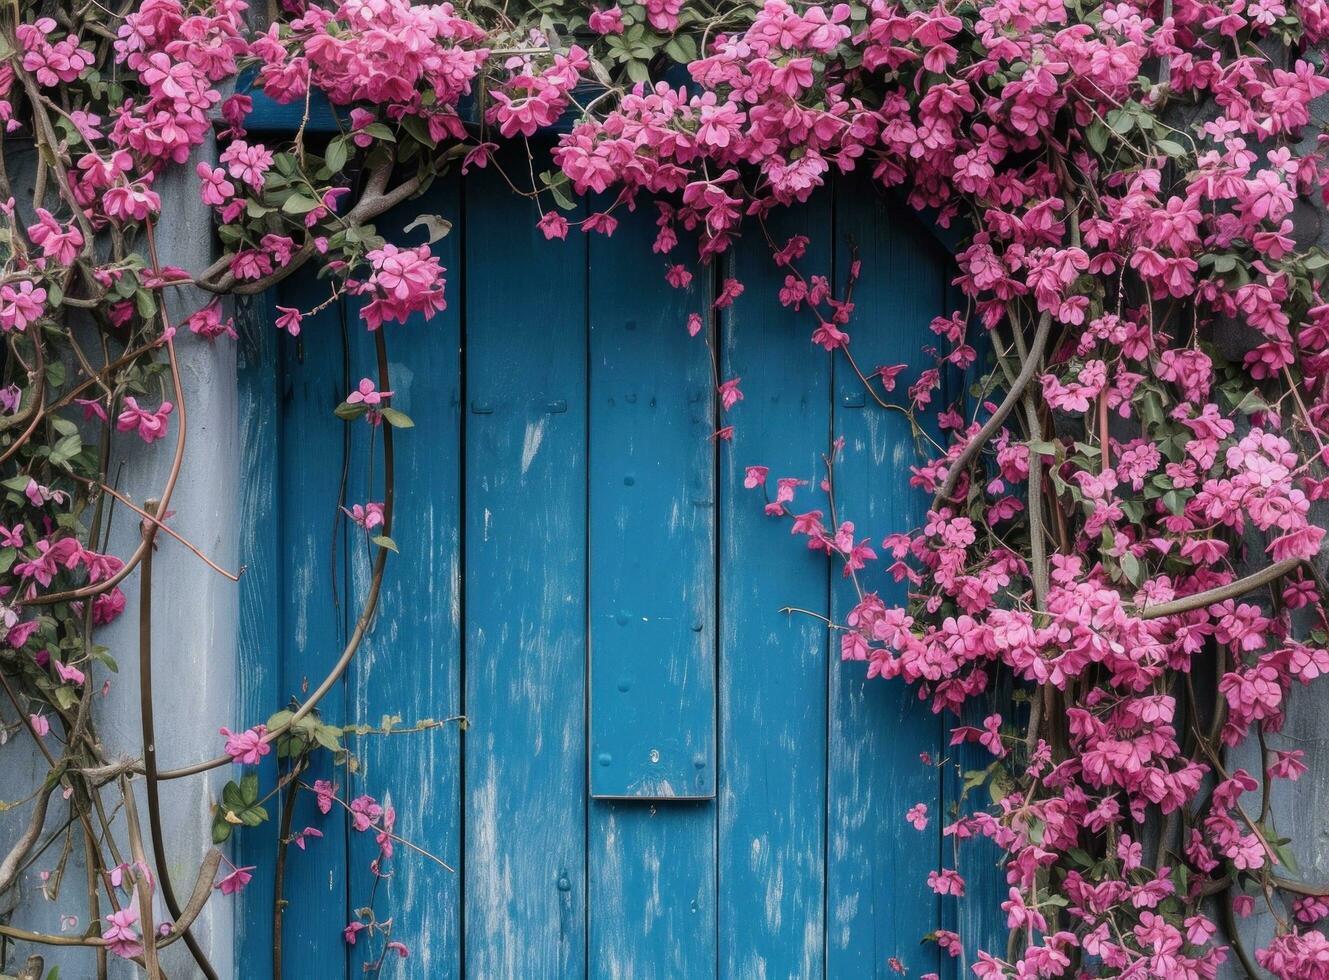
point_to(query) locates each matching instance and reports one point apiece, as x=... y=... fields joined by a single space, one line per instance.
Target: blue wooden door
x=662 y=774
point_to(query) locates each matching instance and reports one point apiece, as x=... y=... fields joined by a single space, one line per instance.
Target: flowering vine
x=1125 y=507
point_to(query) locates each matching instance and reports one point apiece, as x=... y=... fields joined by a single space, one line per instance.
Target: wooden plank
x=652 y=889
x=773 y=666
x=525 y=614
x=652 y=526
x=313 y=608
x=410 y=663
x=878 y=902
x=260 y=629
x=652 y=614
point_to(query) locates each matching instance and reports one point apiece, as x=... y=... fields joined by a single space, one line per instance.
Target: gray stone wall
x=194 y=623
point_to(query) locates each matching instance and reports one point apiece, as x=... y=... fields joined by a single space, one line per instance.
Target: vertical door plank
x=410 y=663
x=773 y=665
x=524 y=567
x=652 y=527
x=261 y=588
x=652 y=614
x=314 y=608
x=878 y=902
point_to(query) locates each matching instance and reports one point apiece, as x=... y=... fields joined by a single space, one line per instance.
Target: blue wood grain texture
x=559 y=520
x=773 y=666
x=269 y=115
x=652 y=525
x=410 y=663
x=314 y=610
x=652 y=614
x=260 y=637
x=878 y=903
x=525 y=579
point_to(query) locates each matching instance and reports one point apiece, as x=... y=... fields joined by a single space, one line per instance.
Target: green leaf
x=299 y=204
x=348 y=411
x=1170 y=147
x=1097 y=136
x=221 y=829
x=383 y=541
x=1120 y=122
x=66 y=448
x=419 y=130
x=249 y=787
x=337 y=154
x=145 y=303
x=327 y=736
x=232 y=797
x=639 y=71
x=379 y=131
x=396 y=419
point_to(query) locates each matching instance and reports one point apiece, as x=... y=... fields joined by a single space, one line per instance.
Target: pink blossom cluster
x=403 y=282
x=404 y=58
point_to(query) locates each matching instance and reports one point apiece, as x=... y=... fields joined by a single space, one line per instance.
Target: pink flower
x=325 y=792
x=67 y=673
x=607 y=21
x=352 y=930
x=151 y=426
x=367 y=393
x=39 y=724
x=131 y=202
x=121 y=936
x=208 y=323
x=367 y=516
x=247 y=747
x=62 y=245
x=755 y=476
x=553 y=225
x=917 y=816
x=364 y=811
x=946 y=882
x=214 y=188
x=404 y=282
x=235 y=882
x=21 y=303
x=248 y=163
x=299 y=839
x=729 y=393
x=289 y=320
x=399 y=948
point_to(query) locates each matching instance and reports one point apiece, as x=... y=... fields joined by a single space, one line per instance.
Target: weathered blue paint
x=773 y=666
x=260 y=408
x=568 y=530
x=878 y=904
x=313 y=605
x=525 y=591
x=652 y=494
x=652 y=614
x=409 y=667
